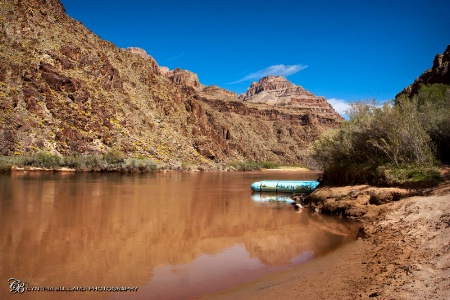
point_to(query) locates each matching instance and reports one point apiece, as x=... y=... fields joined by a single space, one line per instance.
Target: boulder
x=354 y=201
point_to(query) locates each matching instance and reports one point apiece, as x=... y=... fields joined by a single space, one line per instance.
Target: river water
x=174 y=235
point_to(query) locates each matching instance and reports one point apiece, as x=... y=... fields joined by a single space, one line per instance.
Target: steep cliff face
x=439 y=73
x=65 y=90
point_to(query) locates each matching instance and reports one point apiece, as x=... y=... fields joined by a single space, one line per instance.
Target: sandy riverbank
x=404 y=253
x=291 y=169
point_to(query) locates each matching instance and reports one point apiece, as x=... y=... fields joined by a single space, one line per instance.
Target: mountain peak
x=268 y=83
x=272 y=78
x=278 y=91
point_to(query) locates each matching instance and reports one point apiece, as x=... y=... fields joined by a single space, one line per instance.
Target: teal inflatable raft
x=285 y=186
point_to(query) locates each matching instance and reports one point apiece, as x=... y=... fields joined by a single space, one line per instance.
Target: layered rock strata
x=278 y=91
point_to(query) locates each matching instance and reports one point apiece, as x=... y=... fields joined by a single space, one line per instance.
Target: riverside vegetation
x=113 y=160
x=399 y=143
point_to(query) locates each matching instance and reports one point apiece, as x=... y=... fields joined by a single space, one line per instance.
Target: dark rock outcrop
x=439 y=73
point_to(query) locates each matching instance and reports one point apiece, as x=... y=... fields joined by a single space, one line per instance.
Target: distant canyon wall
x=66 y=91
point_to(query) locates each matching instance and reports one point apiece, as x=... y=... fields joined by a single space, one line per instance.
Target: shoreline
x=402 y=252
x=291 y=169
x=305 y=281
x=32 y=168
x=39 y=169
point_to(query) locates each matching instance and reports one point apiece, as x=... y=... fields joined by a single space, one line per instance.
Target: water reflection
x=272 y=198
x=174 y=235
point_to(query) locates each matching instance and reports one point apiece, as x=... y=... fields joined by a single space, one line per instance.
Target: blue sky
x=343 y=50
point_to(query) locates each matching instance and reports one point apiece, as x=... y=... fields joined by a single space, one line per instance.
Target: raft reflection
x=171 y=234
x=275 y=198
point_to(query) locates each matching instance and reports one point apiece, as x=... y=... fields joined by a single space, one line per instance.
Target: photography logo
x=16 y=286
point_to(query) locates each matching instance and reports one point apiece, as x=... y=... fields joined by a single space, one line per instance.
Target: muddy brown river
x=173 y=235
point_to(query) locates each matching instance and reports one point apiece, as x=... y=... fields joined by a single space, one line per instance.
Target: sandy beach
x=403 y=252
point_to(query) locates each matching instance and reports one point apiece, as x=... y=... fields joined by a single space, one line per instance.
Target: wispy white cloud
x=339 y=105
x=276 y=70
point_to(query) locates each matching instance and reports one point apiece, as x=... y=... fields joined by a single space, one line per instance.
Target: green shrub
x=269 y=165
x=91 y=163
x=114 y=156
x=252 y=165
x=390 y=144
x=139 y=165
x=412 y=176
x=434 y=101
x=71 y=161
x=6 y=162
x=45 y=160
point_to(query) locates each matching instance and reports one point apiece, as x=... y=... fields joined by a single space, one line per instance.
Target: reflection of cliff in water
x=97 y=230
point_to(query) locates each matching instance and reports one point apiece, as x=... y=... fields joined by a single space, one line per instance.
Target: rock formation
x=278 y=91
x=269 y=85
x=218 y=92
x=184 y=77
x=139 y=51
x=439 y=73
x=66 y=91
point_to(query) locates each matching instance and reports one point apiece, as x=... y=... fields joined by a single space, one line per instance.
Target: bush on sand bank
x=392 y=144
